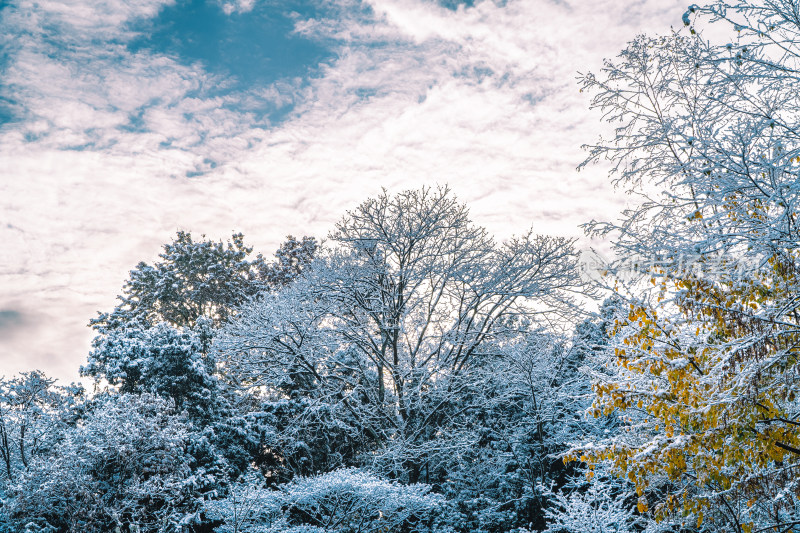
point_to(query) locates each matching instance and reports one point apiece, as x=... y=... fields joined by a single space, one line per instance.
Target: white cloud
x=237 y=6
x=481 y=98
x=75 y=20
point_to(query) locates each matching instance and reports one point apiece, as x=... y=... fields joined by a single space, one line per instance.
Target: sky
x=124 y=121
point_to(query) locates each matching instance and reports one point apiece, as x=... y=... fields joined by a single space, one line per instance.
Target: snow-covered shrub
x=248 y=507
x=343 y=501
x=127 y=464
x=602 y=507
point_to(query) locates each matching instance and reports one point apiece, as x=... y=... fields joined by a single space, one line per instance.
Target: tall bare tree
x=390 y=327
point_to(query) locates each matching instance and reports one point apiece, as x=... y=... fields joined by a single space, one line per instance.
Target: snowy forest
x=411 y=373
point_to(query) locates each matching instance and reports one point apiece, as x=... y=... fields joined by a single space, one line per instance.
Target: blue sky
x=123 y=121
x=246 y=46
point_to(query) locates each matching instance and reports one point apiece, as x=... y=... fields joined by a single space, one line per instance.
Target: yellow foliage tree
x=704 y=374
x=706 y=385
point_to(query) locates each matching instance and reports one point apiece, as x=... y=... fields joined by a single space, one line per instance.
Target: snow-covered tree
x=382 y=336
x=521 y=409
x=161 y=360
x=290 y=260
x=34 y=413
x=177 y=304
x=707 y=135
x=203 y=278
x=157 y=339
x=533 y=410
x=192 y=280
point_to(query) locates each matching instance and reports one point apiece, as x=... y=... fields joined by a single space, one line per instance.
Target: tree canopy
x=202 y=278
x=414 y=374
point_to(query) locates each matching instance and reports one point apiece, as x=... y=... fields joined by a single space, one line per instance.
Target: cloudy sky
x=122 y=121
